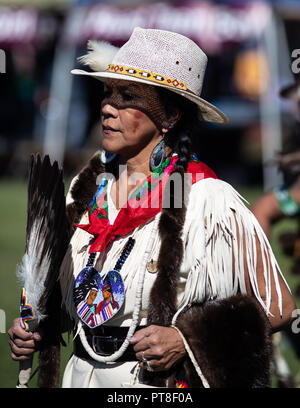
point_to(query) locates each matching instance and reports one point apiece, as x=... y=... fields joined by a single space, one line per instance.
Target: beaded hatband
x=150 y=76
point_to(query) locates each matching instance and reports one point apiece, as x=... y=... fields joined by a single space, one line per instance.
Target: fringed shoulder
x=233 y=240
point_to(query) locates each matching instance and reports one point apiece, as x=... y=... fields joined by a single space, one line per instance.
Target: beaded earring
x=157 y=155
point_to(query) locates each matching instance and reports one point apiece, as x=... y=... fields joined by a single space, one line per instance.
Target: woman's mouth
x=109 y=129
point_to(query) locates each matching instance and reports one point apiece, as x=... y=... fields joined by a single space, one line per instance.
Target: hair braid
x=184 y=149
x=180 y=136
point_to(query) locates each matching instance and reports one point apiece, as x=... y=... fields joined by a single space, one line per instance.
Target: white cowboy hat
x=155 y=57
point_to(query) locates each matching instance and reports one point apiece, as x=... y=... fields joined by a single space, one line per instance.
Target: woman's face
x=92 y=296
x=106 y=295
x=126 y=128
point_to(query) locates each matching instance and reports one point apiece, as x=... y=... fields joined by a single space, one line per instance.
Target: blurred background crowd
x=253 y=50
x=249 y=45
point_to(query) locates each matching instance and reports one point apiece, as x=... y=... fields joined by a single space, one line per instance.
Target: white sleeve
x=231 y=234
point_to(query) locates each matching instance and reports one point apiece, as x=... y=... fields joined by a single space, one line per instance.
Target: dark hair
x=83 y=289
x=180 y=137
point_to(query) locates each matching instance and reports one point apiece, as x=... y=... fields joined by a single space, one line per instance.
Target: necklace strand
x=136 y=312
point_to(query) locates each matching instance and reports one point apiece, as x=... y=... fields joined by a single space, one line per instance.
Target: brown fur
x=162 y=305
x=49 y=367
x=231 y=342
x=49 y=356
x=84 y=189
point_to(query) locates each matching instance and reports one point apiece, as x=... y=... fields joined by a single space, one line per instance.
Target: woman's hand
x=161 y=346
x=23 y=344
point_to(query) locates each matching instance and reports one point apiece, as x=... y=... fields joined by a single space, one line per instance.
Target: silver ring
x=148 y=368
x=144 y=360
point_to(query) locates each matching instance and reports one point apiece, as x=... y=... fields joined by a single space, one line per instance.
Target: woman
x=107 y=299
x=187 y=249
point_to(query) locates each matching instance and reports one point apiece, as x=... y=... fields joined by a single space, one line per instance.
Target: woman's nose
x=108 y=110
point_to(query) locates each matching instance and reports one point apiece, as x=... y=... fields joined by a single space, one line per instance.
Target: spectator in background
x=277 y=204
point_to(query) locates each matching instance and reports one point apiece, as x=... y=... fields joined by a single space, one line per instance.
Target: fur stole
x=230 y=338
x=83 y=190
x=231 y=341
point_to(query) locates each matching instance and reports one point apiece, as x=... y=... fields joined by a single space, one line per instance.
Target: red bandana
x=142 y=205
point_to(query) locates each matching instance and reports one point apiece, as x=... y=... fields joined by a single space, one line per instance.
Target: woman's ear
x=171 y=120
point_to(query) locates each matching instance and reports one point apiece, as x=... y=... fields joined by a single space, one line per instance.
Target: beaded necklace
x=136 y=312
x=107 y=290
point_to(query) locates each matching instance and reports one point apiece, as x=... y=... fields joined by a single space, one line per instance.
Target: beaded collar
x=142 y=205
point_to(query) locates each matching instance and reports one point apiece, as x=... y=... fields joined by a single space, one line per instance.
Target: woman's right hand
x=23 y=344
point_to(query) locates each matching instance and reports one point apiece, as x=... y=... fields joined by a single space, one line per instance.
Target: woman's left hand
x=161 y=346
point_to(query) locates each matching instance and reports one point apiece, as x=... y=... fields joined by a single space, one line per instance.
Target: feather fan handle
x=100 y=55
x=46 y=243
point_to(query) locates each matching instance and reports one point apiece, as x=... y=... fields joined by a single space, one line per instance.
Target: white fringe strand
x=220 y=273
x=193 y=359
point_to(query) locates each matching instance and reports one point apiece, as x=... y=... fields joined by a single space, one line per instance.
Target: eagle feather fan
x=47 y=238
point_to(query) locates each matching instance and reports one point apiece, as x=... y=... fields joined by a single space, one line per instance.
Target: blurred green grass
x=13 y=204
x=13 y=198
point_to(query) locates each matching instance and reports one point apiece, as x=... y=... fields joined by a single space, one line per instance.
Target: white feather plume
x=100 y=55
x=32 y=272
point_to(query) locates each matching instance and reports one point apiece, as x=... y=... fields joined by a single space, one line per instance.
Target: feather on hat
x=100 y=55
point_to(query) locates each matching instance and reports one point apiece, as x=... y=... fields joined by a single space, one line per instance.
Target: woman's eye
x=127 y=97
x=107 y=93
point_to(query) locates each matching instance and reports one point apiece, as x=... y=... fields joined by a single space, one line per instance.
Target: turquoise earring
x=157 y=155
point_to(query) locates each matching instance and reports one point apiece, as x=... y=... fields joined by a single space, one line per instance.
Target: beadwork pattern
x=97 y=297
x=124 y=255
x=150 y=76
